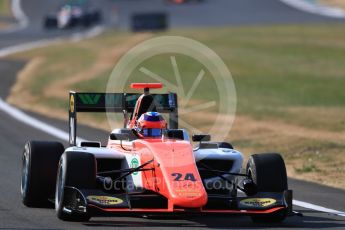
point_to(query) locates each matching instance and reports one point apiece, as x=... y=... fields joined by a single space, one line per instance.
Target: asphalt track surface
x=13 y=134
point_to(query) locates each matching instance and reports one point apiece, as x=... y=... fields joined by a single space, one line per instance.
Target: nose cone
x=189 y=192
x=183 y=182
x=180 y=180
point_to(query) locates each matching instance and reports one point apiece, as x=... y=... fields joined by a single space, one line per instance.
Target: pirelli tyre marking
x=105 y=200
x=258 y=202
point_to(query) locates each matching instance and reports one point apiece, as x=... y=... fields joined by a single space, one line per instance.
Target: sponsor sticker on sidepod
x=258 y=202
x=105 y=200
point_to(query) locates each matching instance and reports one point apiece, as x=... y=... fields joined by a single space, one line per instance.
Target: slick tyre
x=78 y=170
x=39 y=168
x=268 y=172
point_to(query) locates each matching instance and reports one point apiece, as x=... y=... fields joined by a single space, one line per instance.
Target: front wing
x=98 y=203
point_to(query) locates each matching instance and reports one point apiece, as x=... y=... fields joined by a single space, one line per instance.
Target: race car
x=71 y=14
x=150 y=167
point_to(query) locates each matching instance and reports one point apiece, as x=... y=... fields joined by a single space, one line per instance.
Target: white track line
x=58 y=133
x=16 y=113
x=48 y=42
x=317 y=208
x=19 y=15
x=33 y=122
x=21 y=116
x=314 y=8
x=28 y=46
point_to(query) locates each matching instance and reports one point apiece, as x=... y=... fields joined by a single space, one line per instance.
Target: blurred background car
x=73 y=13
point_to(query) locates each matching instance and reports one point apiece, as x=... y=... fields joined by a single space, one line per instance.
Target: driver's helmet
x=151 y=124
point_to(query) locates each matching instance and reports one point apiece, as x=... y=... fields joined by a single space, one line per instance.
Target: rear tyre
x=39 y=168
x=268 y=172
x=76 y=169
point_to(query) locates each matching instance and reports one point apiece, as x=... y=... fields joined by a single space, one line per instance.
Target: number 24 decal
x=181 y=177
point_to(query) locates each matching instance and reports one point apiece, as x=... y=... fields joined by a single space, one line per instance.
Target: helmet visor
x=152 y=132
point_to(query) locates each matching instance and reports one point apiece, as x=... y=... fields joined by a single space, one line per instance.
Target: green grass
x=275 y=68
x=5 y=8
x=291 y=74
x=55 y=68
x=307 y=168
x=94 y=85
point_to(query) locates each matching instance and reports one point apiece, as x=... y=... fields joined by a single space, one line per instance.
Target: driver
x=151 y=124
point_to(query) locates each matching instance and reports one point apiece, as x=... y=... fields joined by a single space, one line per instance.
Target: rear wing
x=116 y=103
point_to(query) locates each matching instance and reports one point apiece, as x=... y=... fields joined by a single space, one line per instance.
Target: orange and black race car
x=150 y=167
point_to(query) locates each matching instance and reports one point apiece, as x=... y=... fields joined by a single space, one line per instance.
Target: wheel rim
x=250 y=174
x=59 y=187
x=25 y=173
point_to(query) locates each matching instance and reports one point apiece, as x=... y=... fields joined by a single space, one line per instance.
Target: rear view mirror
x=201 y=137
x=119 y=136
x=174 y=134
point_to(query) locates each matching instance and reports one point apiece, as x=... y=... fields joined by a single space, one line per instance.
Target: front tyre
x=39 y=168
x=268 y=172
x=78 y=170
